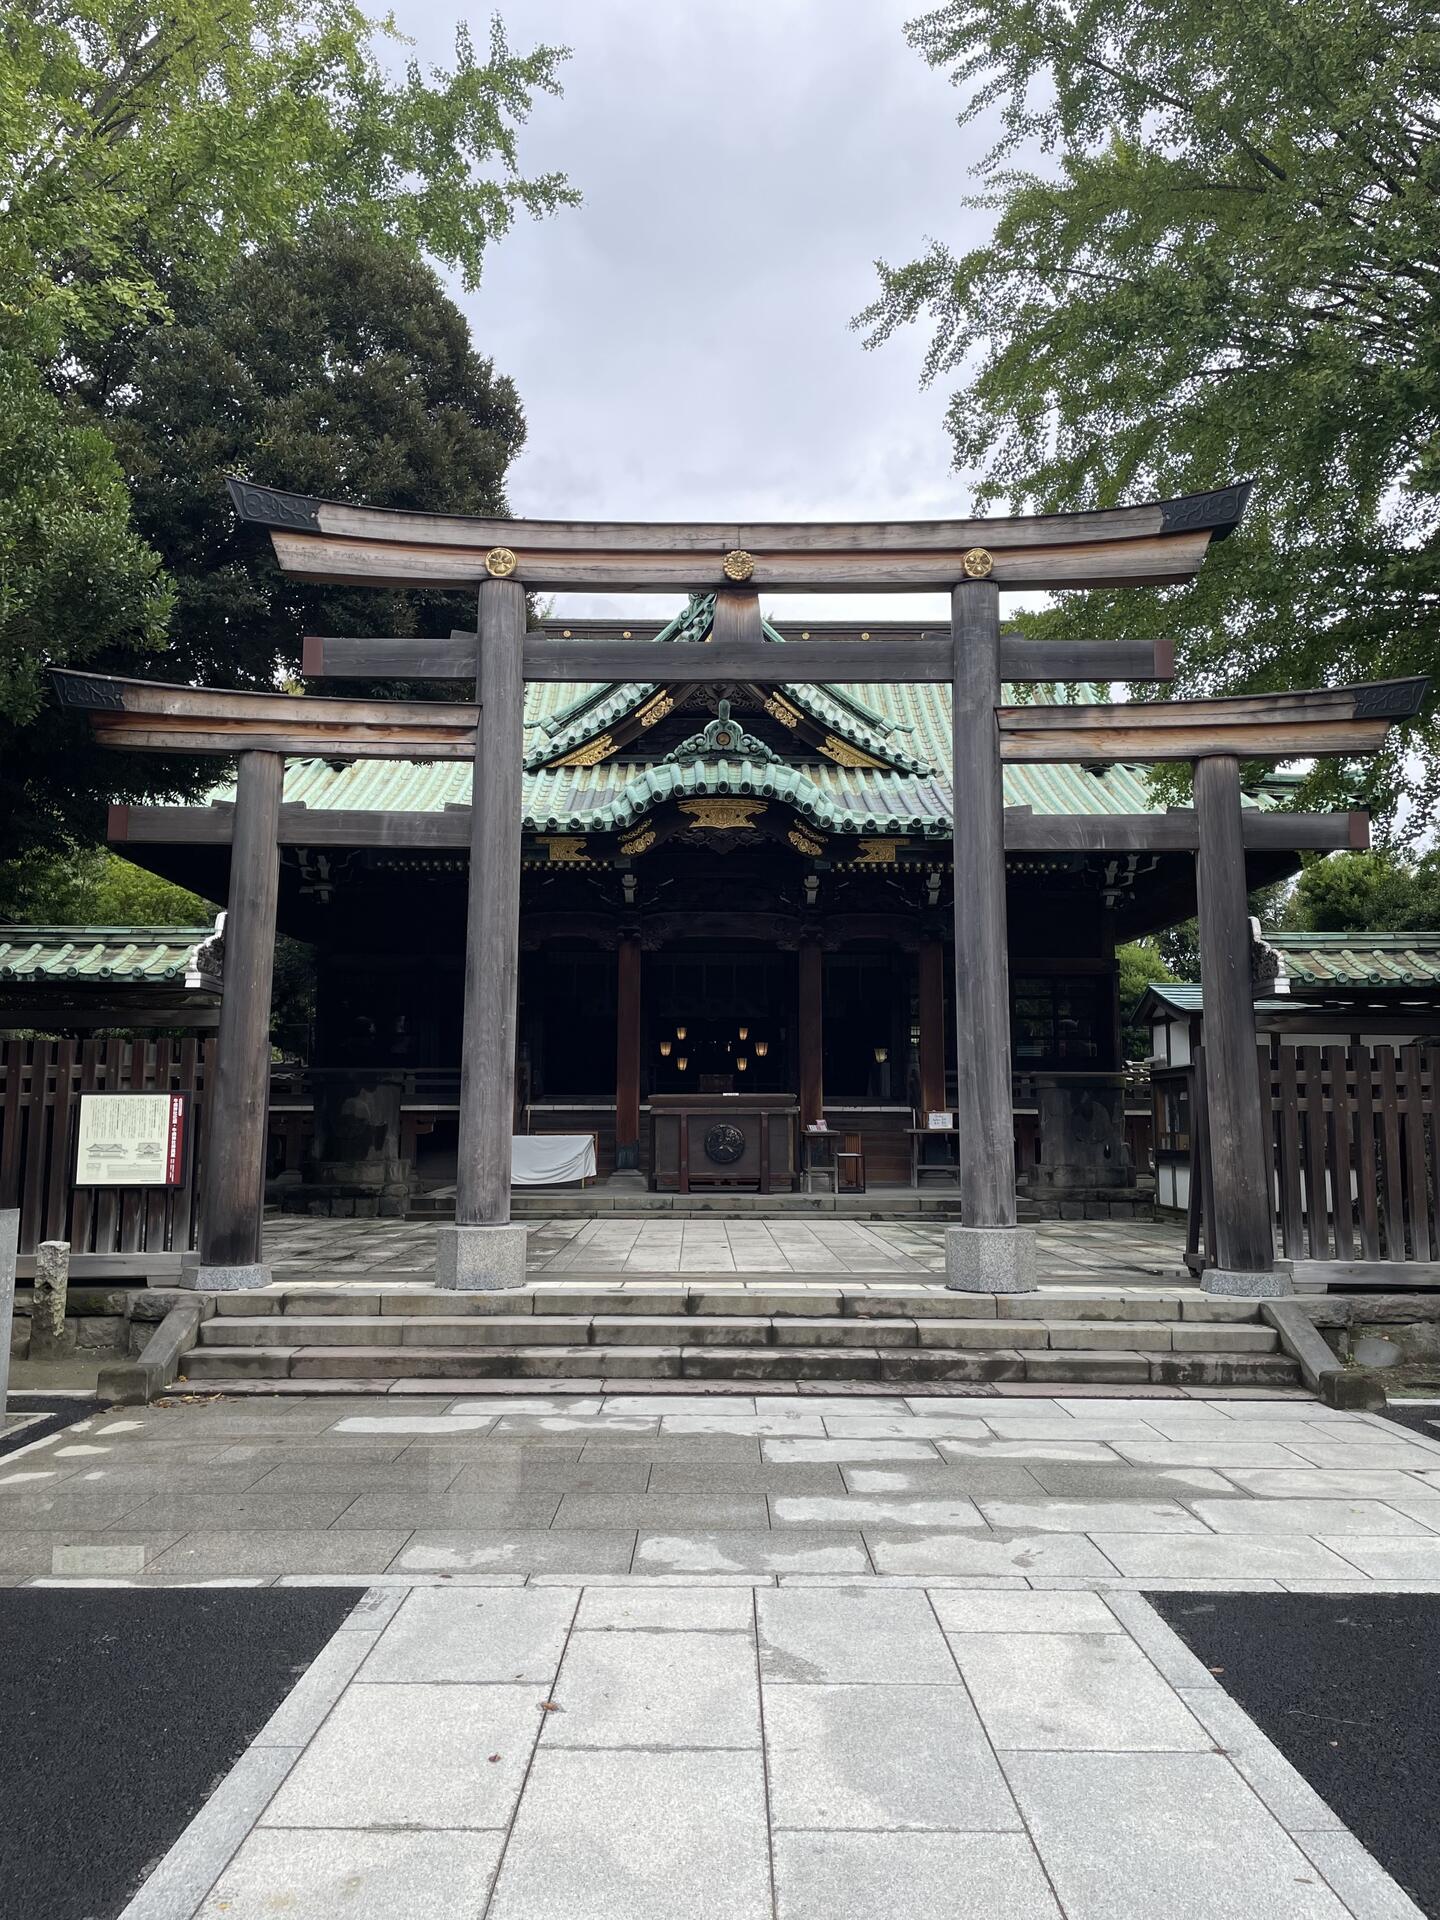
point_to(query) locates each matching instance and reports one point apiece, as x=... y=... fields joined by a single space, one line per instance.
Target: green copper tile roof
x=907 y=727
x=1359 y=959
x=121 y=956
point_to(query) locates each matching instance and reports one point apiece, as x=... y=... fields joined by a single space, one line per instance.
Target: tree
x=288 y=371
x=1367 y=892
x=1140 y=962
x=145 y=156
x=1228 y=267
x=95 y=888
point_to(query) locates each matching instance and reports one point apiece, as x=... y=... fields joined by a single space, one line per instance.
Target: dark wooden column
x=932 y=1027
x=1239 y=1153
x=984 y=1118
x=492 y=938
x=627 y=1054
x=239 y=1096
x=812 y=1034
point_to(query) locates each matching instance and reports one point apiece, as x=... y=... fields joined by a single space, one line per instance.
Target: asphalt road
x=119 y=1712
x=1348 y=1687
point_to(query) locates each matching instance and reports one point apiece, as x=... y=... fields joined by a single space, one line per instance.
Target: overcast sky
x=681 y=342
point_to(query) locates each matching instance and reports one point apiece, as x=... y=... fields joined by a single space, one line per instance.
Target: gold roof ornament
x=500 y=562
x=738 y=564
x=977 y=562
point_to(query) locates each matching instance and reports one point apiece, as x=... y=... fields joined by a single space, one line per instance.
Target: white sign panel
x=131 y=1140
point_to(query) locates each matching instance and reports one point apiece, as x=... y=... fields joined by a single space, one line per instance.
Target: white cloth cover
x=550 y=1159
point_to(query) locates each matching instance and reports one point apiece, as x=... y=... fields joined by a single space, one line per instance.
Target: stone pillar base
x=480 y=1259
x=1241 y=1284
x=990 y=1259
x=630 y=1178
x=232 y=1279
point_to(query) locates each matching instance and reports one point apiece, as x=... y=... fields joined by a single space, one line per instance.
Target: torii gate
x=1159 y=543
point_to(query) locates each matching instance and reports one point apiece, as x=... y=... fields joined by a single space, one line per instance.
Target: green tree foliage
x=1367 y=892
x=334 y=364
x=146 y=154
x=145 y=145
x=1139 y=962
x=95 y=888
x=1216 y=254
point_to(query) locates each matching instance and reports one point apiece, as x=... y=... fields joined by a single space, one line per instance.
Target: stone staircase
x=572 y=1333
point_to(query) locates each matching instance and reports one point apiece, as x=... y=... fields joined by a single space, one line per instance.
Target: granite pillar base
x=990 y=1259
x=480 y=1259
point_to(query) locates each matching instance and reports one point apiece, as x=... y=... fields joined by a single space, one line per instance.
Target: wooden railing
x=41 y=1082
x=1354 y=1139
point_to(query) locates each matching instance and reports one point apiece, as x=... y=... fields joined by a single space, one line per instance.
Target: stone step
x=902 y=1300
x=729 y=1331
x=1054 y=1366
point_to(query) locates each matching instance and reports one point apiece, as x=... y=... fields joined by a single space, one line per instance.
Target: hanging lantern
x=665 y=1048
x=741 y=1062
x=762 y=1047
x=680 y=1032
x=882 y=1054
x=744 y=1033
x=682 y=1063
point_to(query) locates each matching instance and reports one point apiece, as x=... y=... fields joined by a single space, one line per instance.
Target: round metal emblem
x=724 y=1144
x=977 y=562
x=500 y=562
x=738 y=564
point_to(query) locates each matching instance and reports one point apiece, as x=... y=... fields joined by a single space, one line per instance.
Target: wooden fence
x=1355 y=1158
x=119 y=1231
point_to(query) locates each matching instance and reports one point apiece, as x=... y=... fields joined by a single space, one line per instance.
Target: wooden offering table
x=742 y=1141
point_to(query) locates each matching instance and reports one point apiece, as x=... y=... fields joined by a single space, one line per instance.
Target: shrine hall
x=736 y=917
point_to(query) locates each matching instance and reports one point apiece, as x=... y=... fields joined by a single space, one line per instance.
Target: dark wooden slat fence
x=41 y=1082
x=1354 y=1143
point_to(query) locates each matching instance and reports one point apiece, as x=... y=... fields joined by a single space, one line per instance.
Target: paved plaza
x=644 y=1657
x=667 y=1247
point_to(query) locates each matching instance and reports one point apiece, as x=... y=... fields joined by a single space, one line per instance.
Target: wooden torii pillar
x=1159 y=543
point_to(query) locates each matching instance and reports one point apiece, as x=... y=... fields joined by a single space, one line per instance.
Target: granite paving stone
x=1308 y=1516
x=882 y=1757
x=1208 y=1450
x=1118 y=1481
x=1091 y=1516
x=1288 y=1795
x=1387 y=1557
x=1285 y=1557
x=666 y=1610
x=676 y=1512
x=851 y=1635
x=1332 y=1483
x=673 y=1689
x=414 y=1756
x=613 y=1835
x=898 y=1876
x=1072 y=1691
x=474 y=1635
x=872 y=1510
x=1001 y=1479
x=1357 y=1877
x=515 y=1550
x=1028 y=1451
x=532 y=1507
x=333 y=1876
x=550 y=1473
x=960 y=1553
x=738 y=1476
x=1185 y=1839
x=801 y=1550
x=256 y=1550
x=1028 y=1611
x=784 y=1452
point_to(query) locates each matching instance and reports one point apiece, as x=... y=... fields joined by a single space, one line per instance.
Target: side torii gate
x=1159 y=543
